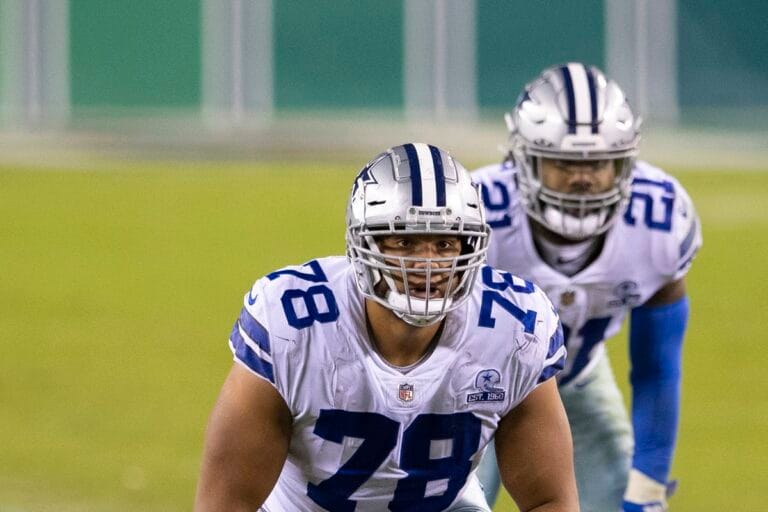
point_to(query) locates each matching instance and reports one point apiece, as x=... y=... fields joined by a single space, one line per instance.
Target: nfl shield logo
x=405 y=392
x=567 y=298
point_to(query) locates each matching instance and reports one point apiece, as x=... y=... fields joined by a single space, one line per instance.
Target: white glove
x=644 y=494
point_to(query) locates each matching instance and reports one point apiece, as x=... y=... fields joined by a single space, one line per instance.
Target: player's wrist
x=644 y=494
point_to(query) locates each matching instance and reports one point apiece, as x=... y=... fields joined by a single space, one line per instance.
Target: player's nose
x=581 y=179
x=427 y=251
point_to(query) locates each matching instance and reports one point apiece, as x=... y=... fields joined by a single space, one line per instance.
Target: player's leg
x=602 y=439
x=472 y=498
x=488 y=474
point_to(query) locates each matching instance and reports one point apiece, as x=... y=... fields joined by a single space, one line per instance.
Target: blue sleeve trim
x=655 y=349
x=686 y=244
x=254 y=330
x=556 y=341
x=552 y=368
x=249 y=357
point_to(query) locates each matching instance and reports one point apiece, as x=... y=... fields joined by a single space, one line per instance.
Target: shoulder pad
x=499 y=188
x=518 y=302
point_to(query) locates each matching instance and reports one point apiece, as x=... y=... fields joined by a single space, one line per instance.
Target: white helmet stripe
x=582 y=97
x=428 y=188
x=415 y=173
x=592 y=98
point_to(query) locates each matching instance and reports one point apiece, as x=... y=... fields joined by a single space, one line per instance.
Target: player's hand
x=645 y=494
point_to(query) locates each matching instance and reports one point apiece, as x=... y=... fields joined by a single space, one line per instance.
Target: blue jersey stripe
x=247 y=356
x=688 y=239
x=571 y=97
x=413 y=162
x=688 y=260
x=556 y=341
x=592 y=97
x=254 y=330
x=552 y=370
x=437 y=163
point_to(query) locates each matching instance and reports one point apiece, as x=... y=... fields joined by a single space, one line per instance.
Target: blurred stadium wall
x=248 y=79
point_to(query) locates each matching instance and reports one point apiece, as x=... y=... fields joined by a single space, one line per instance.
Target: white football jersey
x=368 y=436
x=652 y=243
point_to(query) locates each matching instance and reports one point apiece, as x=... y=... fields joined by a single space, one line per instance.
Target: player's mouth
x=420 y=291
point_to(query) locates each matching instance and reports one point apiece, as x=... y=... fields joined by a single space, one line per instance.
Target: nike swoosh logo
x=252 y=299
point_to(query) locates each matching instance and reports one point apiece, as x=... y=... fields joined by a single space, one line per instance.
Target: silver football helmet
x=573 y=112
x=415 y=189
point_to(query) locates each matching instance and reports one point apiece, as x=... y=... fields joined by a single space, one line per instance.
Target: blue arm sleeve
x=655 y=350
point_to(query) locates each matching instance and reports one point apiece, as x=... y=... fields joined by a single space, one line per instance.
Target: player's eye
x=448 y=245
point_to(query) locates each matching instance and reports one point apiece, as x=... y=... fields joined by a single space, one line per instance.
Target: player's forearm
x=560 y=505
x=656 y=339
x=655 y=415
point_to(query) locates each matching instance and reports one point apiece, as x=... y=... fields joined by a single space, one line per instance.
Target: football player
x=605 y=235
x=374 y=381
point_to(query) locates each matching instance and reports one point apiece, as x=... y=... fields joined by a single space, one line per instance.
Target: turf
x=119 y=287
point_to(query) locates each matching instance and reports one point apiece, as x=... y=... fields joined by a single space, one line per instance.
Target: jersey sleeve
x=666 y=219
x=280 y=315
x=522 y=312
x=497 y=184
x=249 y=340
x=686 y=229
x=554 y=359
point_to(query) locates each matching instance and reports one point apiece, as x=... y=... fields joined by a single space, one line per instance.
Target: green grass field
x=119 y=287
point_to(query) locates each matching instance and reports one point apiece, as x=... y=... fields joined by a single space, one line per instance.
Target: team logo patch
x=405 y=392
x=487 y=382
x=364 y=178
x=627 y=294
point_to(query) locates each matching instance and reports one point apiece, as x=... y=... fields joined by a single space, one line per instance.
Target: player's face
x=580 y=177
x=434 y=252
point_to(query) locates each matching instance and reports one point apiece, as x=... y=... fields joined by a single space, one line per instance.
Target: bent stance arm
x=246 y=444
x=535 y=453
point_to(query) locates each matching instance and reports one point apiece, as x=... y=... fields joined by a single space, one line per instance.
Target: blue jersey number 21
x=379 y=435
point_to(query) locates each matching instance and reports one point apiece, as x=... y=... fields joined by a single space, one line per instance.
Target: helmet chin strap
x=422 y=312
x=574 y=227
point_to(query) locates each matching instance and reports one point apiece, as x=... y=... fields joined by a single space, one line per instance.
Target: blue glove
x=645 y=494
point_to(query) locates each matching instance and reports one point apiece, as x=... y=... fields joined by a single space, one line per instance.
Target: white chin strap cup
x=421 y=311
x=575 y=227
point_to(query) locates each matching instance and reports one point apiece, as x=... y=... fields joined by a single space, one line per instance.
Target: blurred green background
x=119 y=288
x=158 y=157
